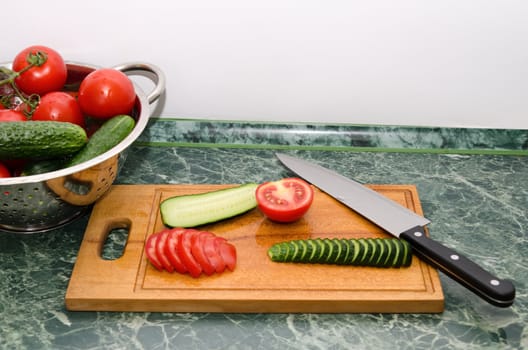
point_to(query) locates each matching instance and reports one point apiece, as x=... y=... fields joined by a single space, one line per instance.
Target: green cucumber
x=109 y=134
x=42 y=166
x=203 y=208
x=40 y=139
x=377 y=252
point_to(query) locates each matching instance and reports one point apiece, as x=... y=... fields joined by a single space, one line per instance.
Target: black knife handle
x=492 y=289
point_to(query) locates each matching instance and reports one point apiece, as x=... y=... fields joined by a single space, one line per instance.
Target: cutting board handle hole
x=115 y=242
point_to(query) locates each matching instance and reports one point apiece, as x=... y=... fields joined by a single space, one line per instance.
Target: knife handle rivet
x=454 y=257
x=418 y=234
x=494 y=282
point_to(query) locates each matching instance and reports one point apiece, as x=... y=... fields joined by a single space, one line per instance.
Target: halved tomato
x=185 y=252
x=160 y=250
x=150 y=250
x=171 y=250
x=286 y=200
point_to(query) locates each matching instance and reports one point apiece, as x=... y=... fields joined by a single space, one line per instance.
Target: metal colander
x=43 y=202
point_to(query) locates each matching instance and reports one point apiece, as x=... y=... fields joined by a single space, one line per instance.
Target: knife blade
x=404 y=224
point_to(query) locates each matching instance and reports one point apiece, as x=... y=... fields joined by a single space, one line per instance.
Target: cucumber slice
x=329 y=250
x=305 y=249
x=288 y=251
x=314 y=251
x=366 y=252
x=321 y=248
x=406 y=253
x=277 y=252
x=336 y=251
x=200 y=209
x=296 y=251
x=379 y=258
x=392 y=257
x=345 y=251
x=355 y=252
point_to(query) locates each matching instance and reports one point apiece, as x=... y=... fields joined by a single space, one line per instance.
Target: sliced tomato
x=150 y=250
x=211 y=247
x=185 y=252
x=171 y=250
x=228 y=253
x=160 y=250
x=286 y=200
x=197 y=250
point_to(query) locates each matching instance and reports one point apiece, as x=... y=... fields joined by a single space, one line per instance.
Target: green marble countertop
x=472 y=185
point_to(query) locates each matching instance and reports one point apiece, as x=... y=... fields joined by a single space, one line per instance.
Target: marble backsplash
x=335 y=137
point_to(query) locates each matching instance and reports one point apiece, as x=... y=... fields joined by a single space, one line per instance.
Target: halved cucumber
x=200 y=209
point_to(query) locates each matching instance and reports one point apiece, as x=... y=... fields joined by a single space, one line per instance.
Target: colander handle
x=149 y=71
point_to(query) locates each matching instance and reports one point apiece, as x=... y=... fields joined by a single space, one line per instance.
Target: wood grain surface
x=130 y=283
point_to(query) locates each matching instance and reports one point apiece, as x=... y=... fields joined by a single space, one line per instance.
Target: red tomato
x=150 y=250
x=10 y=115
x=190 y=251
x=59 y=106
x=171 y=250
x=185 y=252
x=211 y=249
x=40 y=79
x=285 y=200
x=4 y=172
x=197 y=250
x=160 y=250
x=228 y=253
x=105 y=93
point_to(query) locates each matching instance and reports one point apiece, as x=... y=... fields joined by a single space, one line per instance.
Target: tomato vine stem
x=34 y=59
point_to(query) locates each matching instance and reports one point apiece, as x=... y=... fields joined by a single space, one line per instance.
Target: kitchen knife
x=405 y=224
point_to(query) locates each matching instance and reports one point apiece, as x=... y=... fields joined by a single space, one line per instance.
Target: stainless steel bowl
x=37 y=203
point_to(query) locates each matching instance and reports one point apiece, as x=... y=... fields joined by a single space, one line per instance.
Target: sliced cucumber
x=199 y=209
x=313 y=252
x=378 y=252
x=345 y=252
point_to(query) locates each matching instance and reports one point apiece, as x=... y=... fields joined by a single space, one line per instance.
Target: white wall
x=405 y=62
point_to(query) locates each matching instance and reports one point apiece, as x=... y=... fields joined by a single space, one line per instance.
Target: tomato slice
x=185 y=253
x=211 y=249
x=150 y=250
x=228 y=253
x=197 y=250
x=160 y=250
x=286 y=200
x=171 y=250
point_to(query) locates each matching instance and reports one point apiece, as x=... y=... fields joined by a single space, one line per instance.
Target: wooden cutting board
x=130 y=283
